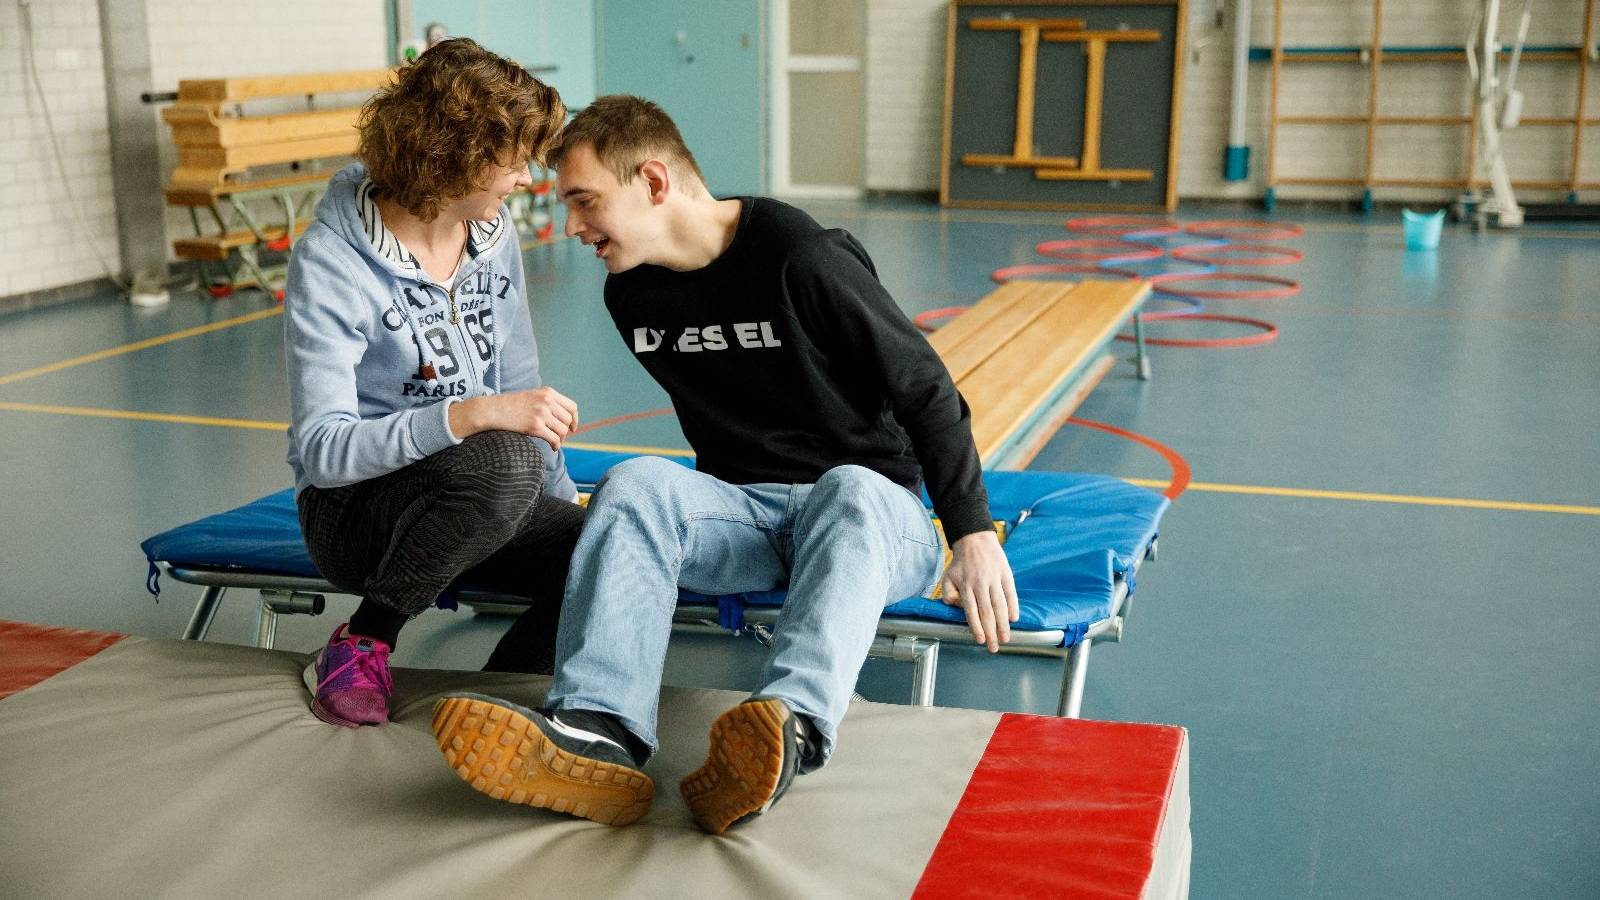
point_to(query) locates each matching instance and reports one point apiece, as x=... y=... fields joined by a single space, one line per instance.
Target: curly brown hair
x=427 y=137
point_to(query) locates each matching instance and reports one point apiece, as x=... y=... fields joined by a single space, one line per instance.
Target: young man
x=815 y=409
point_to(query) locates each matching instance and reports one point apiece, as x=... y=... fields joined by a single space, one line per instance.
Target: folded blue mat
x=1070 y=537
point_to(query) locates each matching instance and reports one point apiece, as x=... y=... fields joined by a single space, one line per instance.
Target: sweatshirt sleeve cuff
x=968 y=518
x=430 y=428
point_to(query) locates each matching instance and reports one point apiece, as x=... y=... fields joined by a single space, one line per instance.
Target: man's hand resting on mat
x=979 y=581
x=544 y=413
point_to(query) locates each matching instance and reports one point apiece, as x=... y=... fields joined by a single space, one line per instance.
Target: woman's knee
x=500 y=473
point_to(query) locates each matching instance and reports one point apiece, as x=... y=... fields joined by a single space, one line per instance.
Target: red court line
x=1058 y=808
x=625 y=417
x=31 y=653
x=1175 y=460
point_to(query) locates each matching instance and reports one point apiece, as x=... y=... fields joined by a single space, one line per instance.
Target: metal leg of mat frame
x=923 y=655
x=204 y=611
x=1074 y=674
x=1139 y=358
x=275 y=603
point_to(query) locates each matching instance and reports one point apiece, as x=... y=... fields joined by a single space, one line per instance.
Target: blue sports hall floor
x=1375 y=605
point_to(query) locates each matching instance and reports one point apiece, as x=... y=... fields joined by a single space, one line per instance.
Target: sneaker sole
x=502 y=753
x=741 y=770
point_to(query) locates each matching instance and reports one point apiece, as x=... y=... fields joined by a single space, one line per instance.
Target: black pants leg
x=400 y=539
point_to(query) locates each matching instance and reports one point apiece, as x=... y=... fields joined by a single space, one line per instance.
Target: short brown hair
x=459 y=108
x=624 y=132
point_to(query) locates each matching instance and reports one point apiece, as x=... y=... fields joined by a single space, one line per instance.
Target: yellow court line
x=143 y=416
x=1202 y=486
x=629 y=448
x=1370 y=497
x=140 y=345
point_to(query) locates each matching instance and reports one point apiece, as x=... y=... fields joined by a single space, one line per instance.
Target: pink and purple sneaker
x=350 y=682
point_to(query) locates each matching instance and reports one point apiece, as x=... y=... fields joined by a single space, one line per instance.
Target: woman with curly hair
x=423 y=441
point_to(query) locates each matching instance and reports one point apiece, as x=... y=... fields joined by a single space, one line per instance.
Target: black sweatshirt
x=785 y=358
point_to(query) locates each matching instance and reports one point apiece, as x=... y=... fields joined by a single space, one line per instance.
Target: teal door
x=703 y=63
x=539 y=34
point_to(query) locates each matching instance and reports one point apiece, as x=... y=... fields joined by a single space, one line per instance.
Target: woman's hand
x=544 y=413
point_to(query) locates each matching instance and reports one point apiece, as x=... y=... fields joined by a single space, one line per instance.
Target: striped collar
x=481 y=236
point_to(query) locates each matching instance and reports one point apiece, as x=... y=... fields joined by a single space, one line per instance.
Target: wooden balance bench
x=1028 y=353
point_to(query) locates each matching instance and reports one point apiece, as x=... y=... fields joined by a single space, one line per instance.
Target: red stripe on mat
x=1058 y=808
x=31 y=653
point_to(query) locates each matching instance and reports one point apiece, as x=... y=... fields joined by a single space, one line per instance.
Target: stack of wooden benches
x=256 y=169
x=232 y=162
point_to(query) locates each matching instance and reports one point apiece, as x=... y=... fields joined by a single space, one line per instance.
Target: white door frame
x=782 y=64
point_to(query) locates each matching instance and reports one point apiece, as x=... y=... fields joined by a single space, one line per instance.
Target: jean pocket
x=922 y=564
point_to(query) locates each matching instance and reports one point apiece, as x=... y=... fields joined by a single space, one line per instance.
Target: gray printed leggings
x=399 y=540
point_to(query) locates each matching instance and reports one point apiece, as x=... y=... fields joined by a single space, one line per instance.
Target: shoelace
x=371 y=661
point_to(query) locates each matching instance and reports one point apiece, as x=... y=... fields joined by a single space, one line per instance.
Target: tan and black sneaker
x=569 y=761
x=756 y=749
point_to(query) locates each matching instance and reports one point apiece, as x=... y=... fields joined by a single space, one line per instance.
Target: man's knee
x=854 y=488
x=647 y=480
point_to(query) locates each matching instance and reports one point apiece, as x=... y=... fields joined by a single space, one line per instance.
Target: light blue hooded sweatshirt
x=377 y=351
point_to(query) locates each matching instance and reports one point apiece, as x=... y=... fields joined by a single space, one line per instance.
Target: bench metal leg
x=204 y=611
x=275 y=603
x=1076 y=673
x=922 y=653
x=266 y=623
x=1140 y=359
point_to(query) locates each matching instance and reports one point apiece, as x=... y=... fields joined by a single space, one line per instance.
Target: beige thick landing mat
x=172 y=769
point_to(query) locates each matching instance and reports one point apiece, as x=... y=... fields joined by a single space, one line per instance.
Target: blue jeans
x=846 y=547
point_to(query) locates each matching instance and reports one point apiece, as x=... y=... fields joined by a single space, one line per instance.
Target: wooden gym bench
x=1028 y=353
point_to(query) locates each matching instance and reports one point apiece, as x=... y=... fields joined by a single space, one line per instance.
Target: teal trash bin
x=1422 y=229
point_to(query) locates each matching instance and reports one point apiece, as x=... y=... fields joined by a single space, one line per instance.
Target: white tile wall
x=43 y=244
x=905 y=84
x=198 y=39
x=905 y=93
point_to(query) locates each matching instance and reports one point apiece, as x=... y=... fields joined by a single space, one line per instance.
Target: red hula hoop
x=925 y=319
x=1283 y=287
x=1088 y=250
x=1223 y=254
x=1006 y=273
x=1118 y=226
x=1269 y=333
x=1256 y=228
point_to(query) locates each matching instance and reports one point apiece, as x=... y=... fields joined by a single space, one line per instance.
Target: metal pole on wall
x=135 y=160
x=1236 y=158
